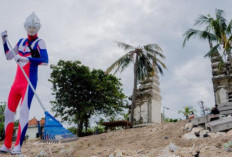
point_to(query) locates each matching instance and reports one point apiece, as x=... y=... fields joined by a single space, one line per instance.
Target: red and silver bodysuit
x=20 y=92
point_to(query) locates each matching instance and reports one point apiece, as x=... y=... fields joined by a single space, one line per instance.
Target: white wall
x=156 y=111
x=31 y=132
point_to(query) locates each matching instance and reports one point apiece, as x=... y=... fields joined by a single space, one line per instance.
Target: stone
x=220 y=134
x=65 y=152
x=189 y=136
x=195 y=153
x=217 y=134
x=172 y=147
x=197 y=131
x=140 y=152
x=212 y=134
x=116 y=153
x=188 y=126
x=229 y=133
x=42 y=153
x=204 y=133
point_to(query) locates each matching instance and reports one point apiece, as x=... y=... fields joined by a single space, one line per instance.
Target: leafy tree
x=217 y=30
x=81 y=93
x=186 y=111
x=145 y=63
x=2 y=119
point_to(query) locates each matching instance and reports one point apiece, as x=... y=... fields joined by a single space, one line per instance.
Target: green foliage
x=81 y=93
x=126 y=116
x=2 y=119
x=73 y=130
x=170 y=120
x=186 y=111
x=228 y=146
x=100 y=121
x=99 y=129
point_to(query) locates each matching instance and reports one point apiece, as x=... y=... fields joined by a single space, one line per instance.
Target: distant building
x=32 y=130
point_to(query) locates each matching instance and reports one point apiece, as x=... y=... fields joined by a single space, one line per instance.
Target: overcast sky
x=85 y=30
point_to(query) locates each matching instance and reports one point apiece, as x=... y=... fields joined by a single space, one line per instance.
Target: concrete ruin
x=148 y=101
x=222 y=81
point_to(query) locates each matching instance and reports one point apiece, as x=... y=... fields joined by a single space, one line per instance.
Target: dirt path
x=149 y=141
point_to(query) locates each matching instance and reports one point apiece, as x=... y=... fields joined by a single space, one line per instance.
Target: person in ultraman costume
x=30 y=52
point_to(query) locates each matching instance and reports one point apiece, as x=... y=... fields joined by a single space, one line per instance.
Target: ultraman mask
x=32 y=24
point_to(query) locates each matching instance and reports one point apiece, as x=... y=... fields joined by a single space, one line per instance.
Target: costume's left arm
x=43 y=60
x=10 y=53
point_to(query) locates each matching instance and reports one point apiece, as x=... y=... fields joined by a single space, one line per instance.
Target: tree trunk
x=135 y=89
x=86 y=123
x=80 y=127
x=211 y=46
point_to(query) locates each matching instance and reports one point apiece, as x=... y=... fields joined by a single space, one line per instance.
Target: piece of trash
x=172 y=147
x=228 y=146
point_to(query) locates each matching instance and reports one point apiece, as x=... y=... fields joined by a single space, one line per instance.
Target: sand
x=148 y=141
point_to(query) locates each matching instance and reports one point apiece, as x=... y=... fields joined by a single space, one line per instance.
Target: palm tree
x=145 y=64
x=217 y=30
x=187 y=110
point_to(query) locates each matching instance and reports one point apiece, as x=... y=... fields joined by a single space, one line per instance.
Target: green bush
x=73 y=130
x=170 y=120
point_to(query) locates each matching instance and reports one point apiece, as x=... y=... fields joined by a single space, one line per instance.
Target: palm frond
x=161 y=63
x=227 y=45
x=119 y=63
x=213 y=51
x=125 y=46
x=229 y=27
x=126 y=62
x=155 y=49
x=205 y=35
x=219 y=13
x=155 y=59
x=153 y=46
x=144 y=66
x=221 y=20
x=159 y=68
x=203 y=20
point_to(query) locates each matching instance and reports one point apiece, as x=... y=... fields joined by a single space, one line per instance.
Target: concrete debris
x=204 y=133
x=197 y=131
x=229 y=133
x=116 y=153
x=172 y=147
x=42 y=153
x=189 y=136
x=188 y=126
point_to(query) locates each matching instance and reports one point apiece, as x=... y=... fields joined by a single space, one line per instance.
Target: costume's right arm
x=9 y=53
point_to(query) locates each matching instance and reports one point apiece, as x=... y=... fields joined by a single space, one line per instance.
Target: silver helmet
x=32 y=24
